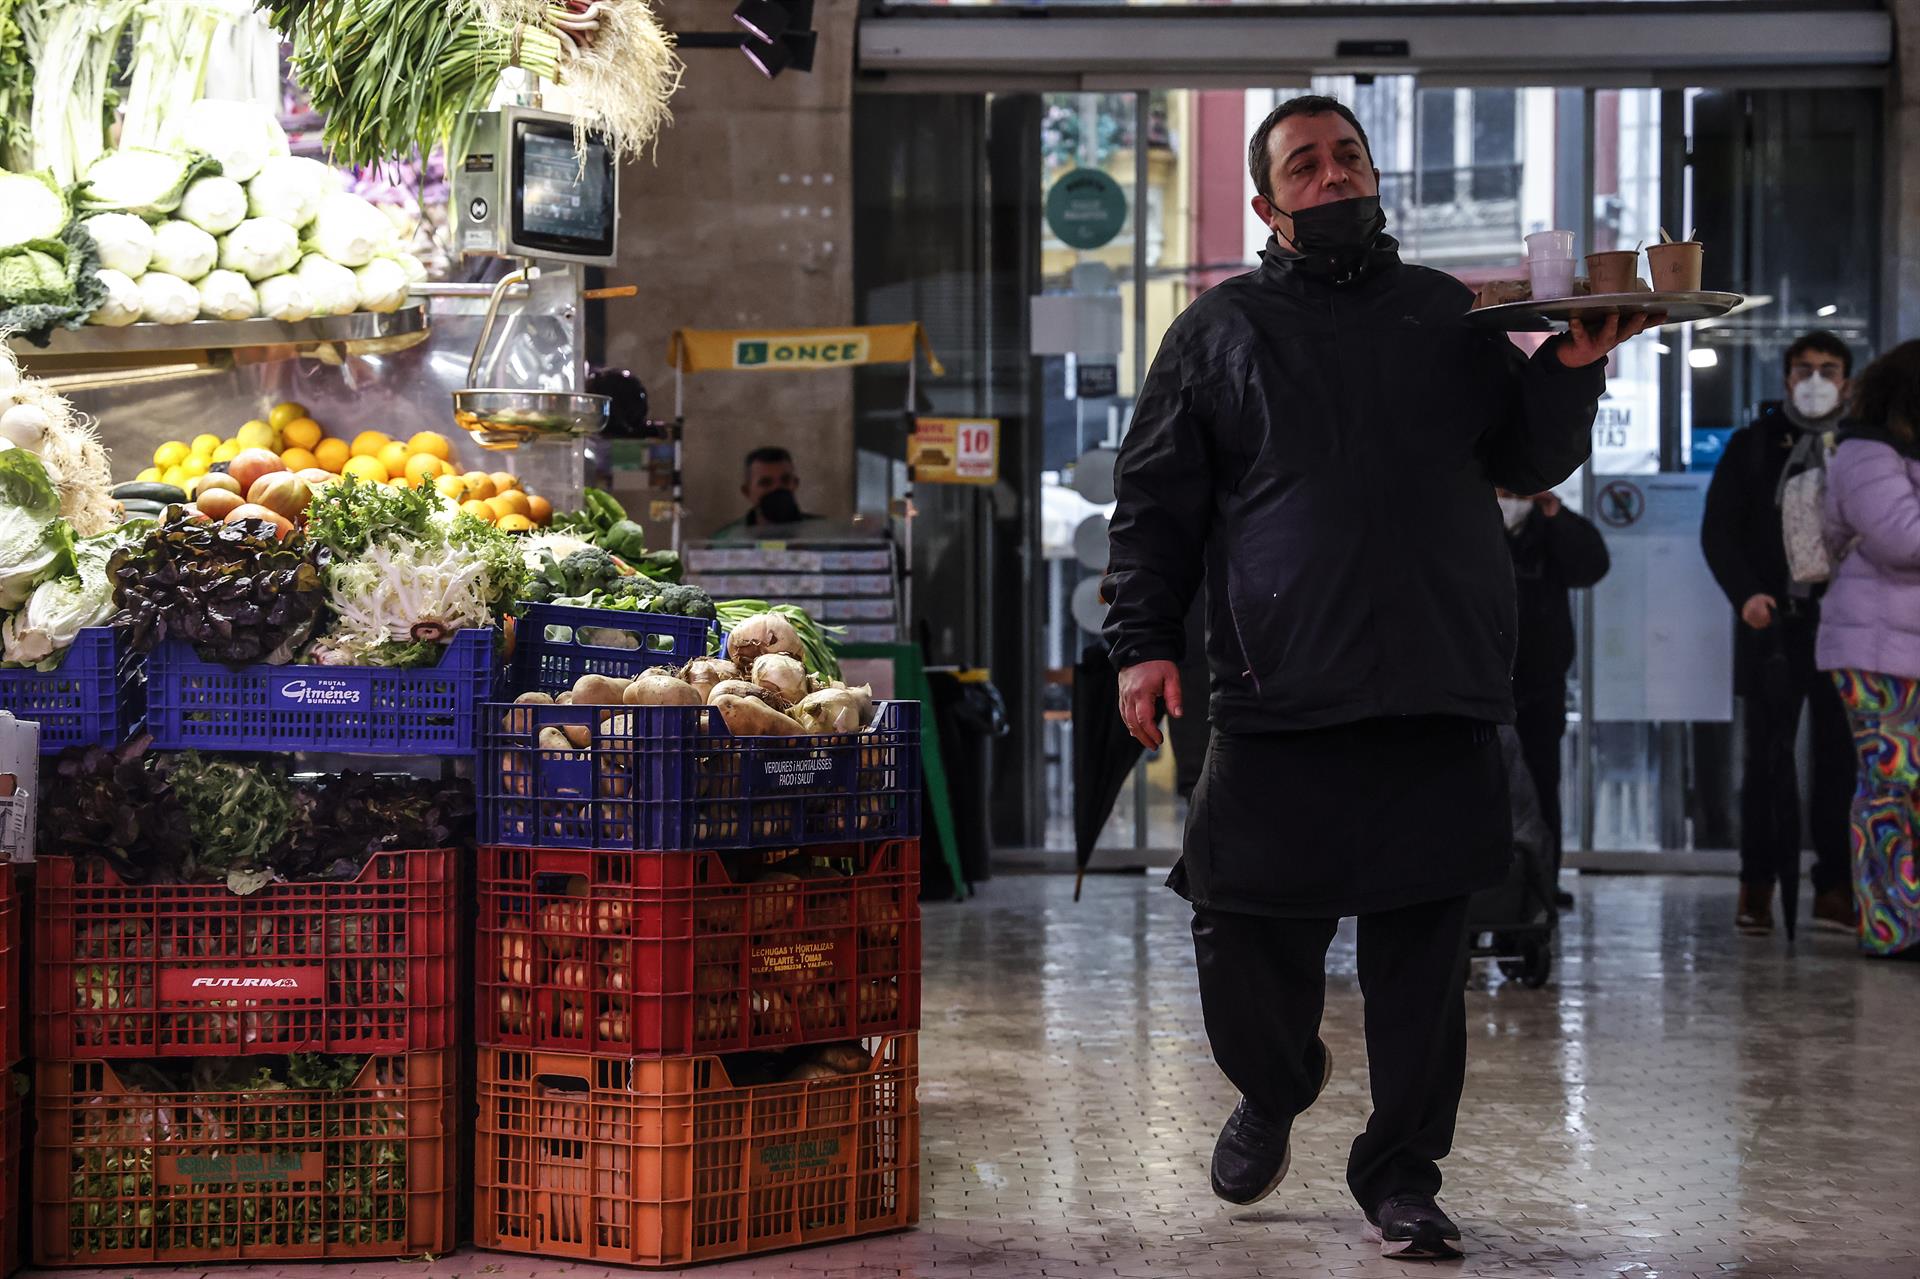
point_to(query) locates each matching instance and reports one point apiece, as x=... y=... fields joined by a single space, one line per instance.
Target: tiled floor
x=1680 y=1103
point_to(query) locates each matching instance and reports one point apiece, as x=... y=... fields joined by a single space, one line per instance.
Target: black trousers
x=1541 y=729
x=1770 y=789
x=1263 y=986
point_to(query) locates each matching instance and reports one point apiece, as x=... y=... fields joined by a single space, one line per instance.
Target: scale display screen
x=561 y=205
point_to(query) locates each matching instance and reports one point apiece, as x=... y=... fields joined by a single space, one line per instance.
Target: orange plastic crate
x=674 y=954
x=124 y=1177
x=663 y=1163
x=193 y=970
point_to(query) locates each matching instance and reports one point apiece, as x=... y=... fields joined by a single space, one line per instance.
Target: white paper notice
x=1663 y=632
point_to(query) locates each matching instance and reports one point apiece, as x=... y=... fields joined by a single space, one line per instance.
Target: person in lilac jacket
x=1870 y=638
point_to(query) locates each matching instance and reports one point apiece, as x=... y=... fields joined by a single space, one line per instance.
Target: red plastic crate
x=668 y=954
x=12 y=987
x=194 y=970
x=126 y=1177
x=665 y=1163
x=13 y=1198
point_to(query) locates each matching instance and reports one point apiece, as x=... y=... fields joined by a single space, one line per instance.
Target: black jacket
x=1324 y=456
x=1744 y=544
x=1551 y=557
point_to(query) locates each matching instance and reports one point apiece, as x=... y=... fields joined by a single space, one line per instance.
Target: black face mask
x=1338 y=235
x=779 y=507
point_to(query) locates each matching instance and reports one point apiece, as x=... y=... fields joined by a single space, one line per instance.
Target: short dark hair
x=1824 y=343
x=1887 y=392
x=767 y=455
x=1259 y=163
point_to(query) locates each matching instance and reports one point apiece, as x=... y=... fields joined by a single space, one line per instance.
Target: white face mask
x=1816 y=397
x=1514 y=510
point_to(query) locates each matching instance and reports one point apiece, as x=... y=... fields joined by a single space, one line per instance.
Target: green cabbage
x=61 y=606
x=32 y=207
x=142 y=180
x=34 y=541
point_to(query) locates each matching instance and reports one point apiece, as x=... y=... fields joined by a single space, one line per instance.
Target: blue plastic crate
x=91 y=699
x=673 y=778
x=549 y=655
x=366 y=710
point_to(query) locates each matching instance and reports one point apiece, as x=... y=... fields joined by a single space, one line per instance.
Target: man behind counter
x=770 y=485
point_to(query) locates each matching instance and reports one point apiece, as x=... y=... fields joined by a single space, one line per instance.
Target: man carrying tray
x=1318 y=442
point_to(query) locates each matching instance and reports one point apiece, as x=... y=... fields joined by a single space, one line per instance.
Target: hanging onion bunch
x=616 y=61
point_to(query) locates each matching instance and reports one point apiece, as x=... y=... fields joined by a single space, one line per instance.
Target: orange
x=301 y=433
x=504 y=480
x=365 y=468
x=332 y=454
x=539 y=510
x=515 y=524
x=424 y=466
x=479 y=484
x=515 y=502
x=299 y=459
x=451 y=486
x=500 y=509
x=285 y=412
x=369 y=443
x=432 y=443
x=478 y=509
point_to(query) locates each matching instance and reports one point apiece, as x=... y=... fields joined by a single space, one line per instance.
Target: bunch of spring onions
x=617 y=64
x=70 y=47
x=172 y=45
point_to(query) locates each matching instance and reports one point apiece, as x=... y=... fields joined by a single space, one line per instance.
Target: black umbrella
x=1776 y=686
x=1104 y=753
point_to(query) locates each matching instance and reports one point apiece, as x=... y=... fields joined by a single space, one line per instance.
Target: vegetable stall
x=354 y=703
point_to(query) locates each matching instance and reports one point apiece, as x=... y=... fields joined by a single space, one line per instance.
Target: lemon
x=194 y=467
x=172 y=453
x=425 y=466
x=450 y=486
x=514 y=502
x=478 y=509
x=149 y=476
x=515 y=524
x=433 y=443
x=369 y=443
x=479 y=484
x=394 y=457
x=256 y=435
x=332 y=454
x=227 y=452
x=204 y=445
x=301 y=433
x=539 y=510
x=175 y=476
x=504 y=481
x=284 y=412
x=365 y=468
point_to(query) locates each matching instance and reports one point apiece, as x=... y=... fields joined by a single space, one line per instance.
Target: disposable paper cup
x=1551 y=278
x=1675 y=268
x=1612 y=272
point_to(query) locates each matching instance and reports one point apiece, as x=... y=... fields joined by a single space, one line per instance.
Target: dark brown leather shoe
x=1755 y=916
x=1834 y=912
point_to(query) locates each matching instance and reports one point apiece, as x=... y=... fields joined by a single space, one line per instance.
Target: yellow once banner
x=750 y=350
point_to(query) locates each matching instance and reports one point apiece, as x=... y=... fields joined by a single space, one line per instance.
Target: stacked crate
x=699 y=972
x=13 y=1085
x=351 y=983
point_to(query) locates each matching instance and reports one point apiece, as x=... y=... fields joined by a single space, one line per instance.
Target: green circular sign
x=1086 y=209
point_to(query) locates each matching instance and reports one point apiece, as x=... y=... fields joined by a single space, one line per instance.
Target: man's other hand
x=1756 y=612
x=1586 y=344
x=1142 y=688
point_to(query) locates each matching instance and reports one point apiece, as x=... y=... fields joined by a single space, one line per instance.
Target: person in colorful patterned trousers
x=1870 y=639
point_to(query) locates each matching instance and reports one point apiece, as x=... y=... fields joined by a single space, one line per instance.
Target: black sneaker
x=1413 y=1228
x=1253 y=1153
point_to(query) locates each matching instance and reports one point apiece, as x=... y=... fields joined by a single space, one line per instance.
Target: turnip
x=751 y=717
x=760 y=634
x=658 y=688
x=598 y=690
x=705 y=672
x=835 y=710
x=781 y=675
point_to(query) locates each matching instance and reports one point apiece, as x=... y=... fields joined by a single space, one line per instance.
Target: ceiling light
x=1828 y=309
x=1703 y=357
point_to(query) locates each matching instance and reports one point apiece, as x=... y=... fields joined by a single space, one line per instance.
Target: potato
x=751 y=717
x=658 y=688
x=553 y=739
x=541 y=699
x=737 y=688
x=598 y=690
x=579 y=735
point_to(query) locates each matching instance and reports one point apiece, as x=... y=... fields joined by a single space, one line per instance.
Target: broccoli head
x=588 y=569
x=634 y=588
x=686 y=601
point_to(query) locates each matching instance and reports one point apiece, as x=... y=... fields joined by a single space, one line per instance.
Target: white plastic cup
x=1550 y=264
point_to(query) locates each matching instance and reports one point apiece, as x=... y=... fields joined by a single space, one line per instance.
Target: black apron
x=1351 y=820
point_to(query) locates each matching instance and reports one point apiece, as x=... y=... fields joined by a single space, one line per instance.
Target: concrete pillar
x=745 y=218
x=1901 y=303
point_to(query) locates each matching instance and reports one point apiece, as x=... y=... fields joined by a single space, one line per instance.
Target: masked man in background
x=771 y=485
